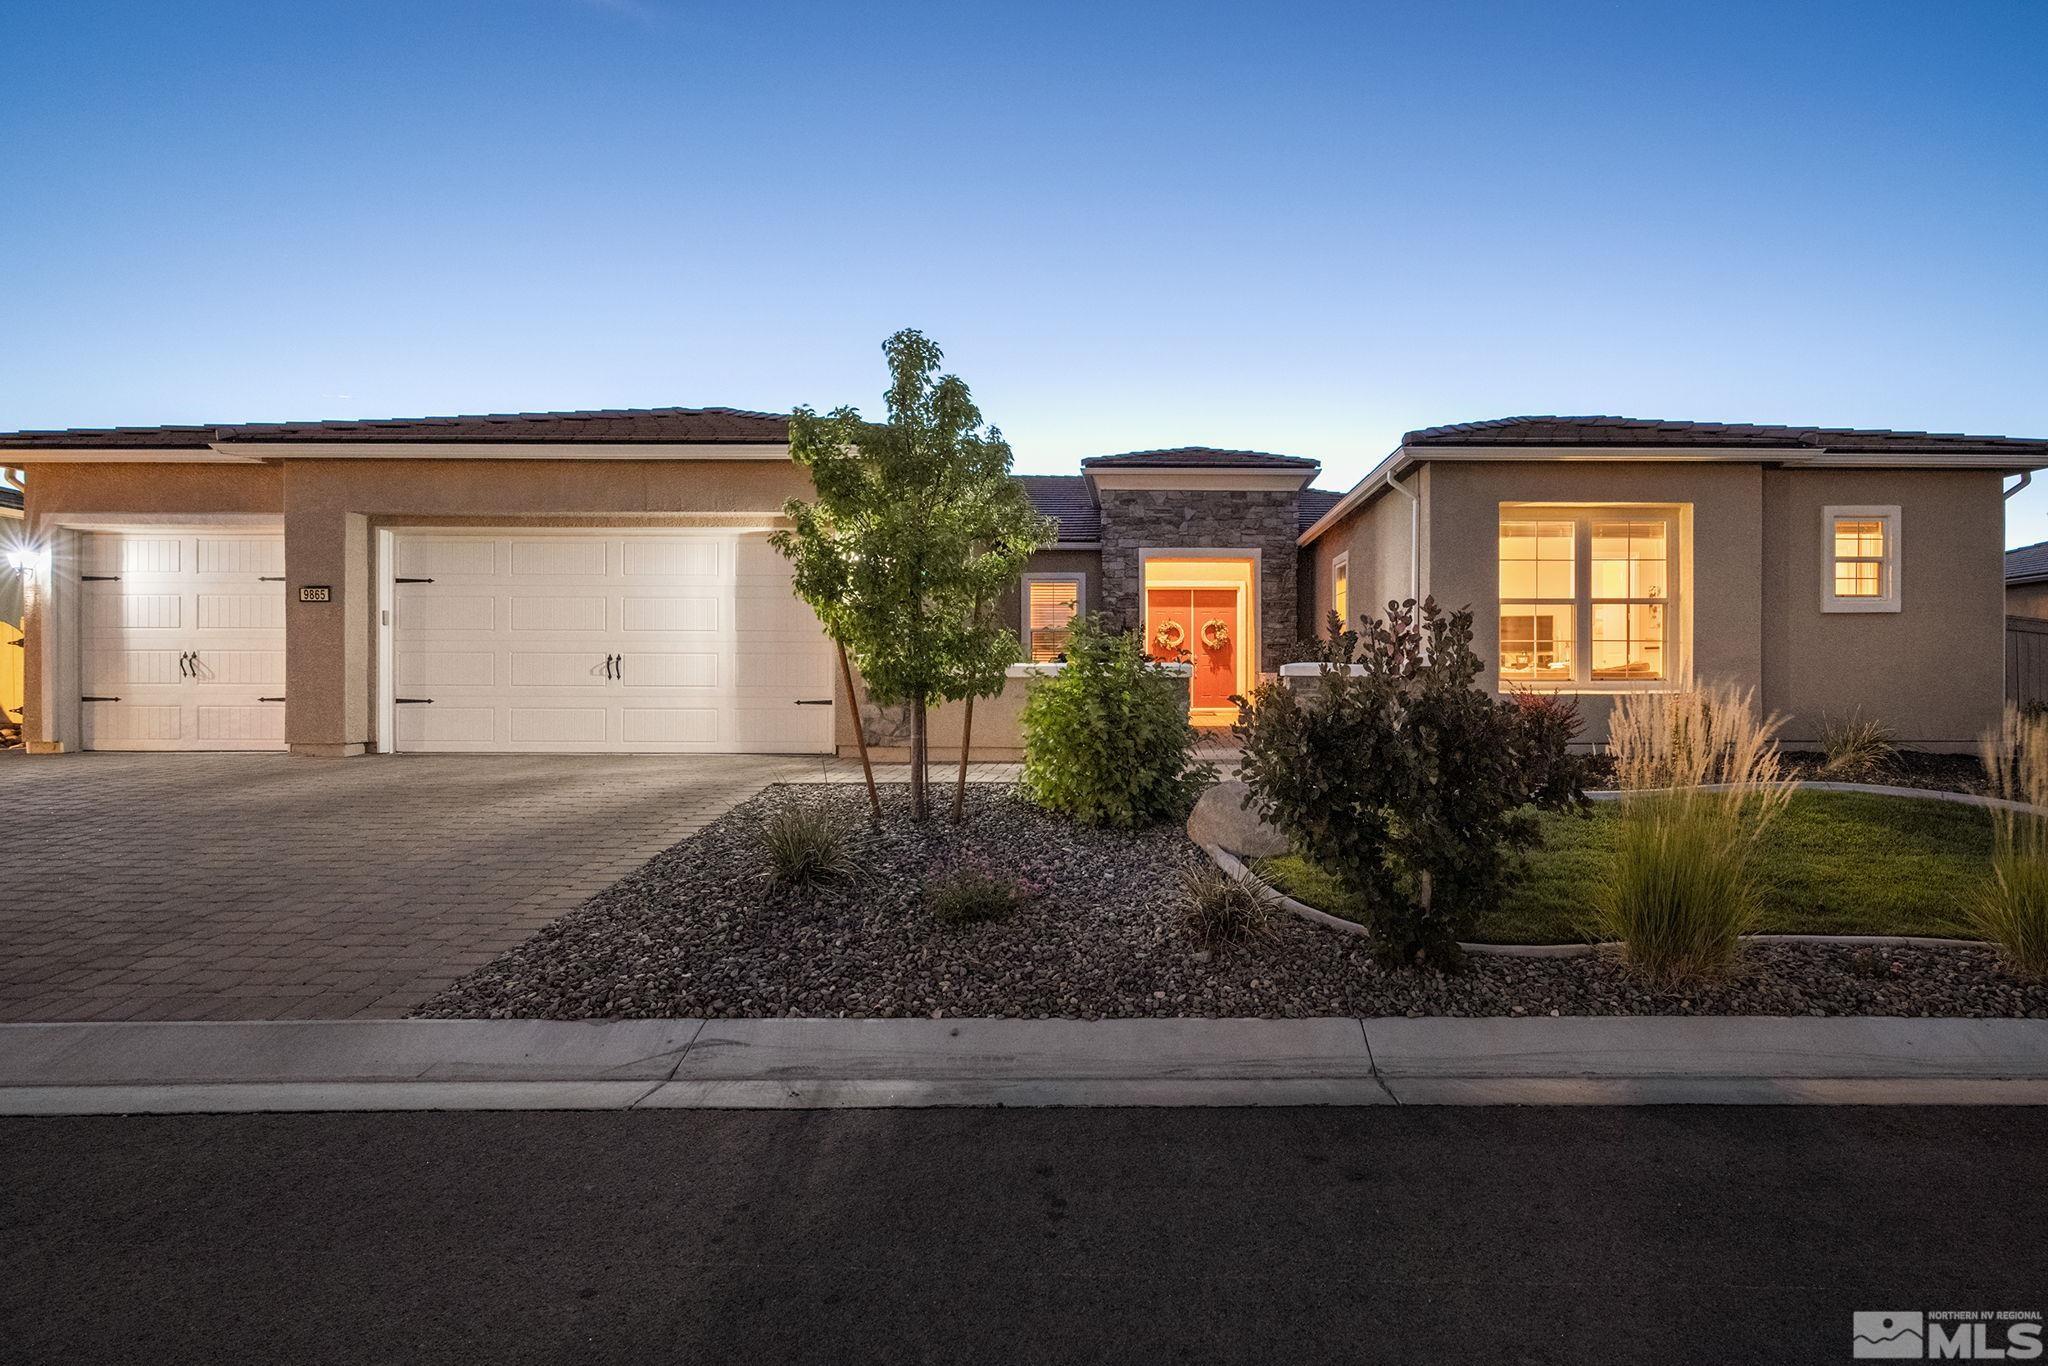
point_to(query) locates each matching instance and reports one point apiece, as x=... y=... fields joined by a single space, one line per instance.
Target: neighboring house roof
x=1066 y=499
x=1316 y=502
x=622 y=425
x=2028 y=564
x=1653 y=432
x=1196 y=457
x=10 y=498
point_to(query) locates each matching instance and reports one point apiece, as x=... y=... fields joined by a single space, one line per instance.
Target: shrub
x=805 y=848
x=1856 y=748
x=1682 y=888
x=970 y=893
x=1220 y=909
x=1405 y=780
x=2013 y=911
x=1107 y=740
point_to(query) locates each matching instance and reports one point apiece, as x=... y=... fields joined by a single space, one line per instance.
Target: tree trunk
x=917 y=760
x=960 y=783
x=860 y=737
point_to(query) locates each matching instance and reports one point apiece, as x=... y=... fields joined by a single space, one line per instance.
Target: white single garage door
x=182 y=640
x=604 y=642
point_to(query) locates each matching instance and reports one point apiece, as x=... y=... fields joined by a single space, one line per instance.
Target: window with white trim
x=1340 y=587
x=1051 y=602
x=1588 y=596
x=1860 y=548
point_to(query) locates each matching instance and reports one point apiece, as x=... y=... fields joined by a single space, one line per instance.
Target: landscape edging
x=1235 y=867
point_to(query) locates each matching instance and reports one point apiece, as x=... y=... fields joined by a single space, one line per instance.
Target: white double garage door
x=583 y=642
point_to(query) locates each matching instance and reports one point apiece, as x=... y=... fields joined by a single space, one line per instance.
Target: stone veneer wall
x=1172 y=519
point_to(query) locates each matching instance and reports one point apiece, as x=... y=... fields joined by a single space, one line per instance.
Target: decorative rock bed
x=698 y=931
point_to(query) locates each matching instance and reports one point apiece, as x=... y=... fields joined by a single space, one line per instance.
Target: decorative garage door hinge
x=412 y=701
x=99 y=578
x=99 y=699
x=814 y=701
x=412 y=580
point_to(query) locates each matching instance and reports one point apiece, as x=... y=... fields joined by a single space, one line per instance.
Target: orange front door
x=1196 y=626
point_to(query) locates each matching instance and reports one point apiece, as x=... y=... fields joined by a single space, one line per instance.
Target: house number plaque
x=316 y=592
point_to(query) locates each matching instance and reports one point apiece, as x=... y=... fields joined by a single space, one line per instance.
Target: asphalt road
x=1373 y=1235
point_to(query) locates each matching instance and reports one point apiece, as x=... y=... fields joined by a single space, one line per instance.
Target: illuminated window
x=1862 y=559
x=1631 y=599
x=1538 y=568
x=1051 y=602
x=1340 y=587
x=1586 y=597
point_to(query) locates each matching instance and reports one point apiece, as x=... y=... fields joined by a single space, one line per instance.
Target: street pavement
x=1411 y=1234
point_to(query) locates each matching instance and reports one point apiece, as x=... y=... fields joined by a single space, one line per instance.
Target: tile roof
x=621 y=425
x=1182 y=457
x=1314 y=503
x=9 y=497
x=2027 y=563
x=1635 y=431
x=1066 y=498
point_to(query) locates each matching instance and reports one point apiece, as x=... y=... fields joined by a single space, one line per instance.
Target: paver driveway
x=262 y=886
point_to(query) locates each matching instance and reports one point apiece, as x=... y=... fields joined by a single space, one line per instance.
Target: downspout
x=2026 y=478
x=1414 y=535
x=13 y=478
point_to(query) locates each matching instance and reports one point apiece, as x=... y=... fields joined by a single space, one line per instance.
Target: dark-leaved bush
x=1106 y=739
x=1411 y=784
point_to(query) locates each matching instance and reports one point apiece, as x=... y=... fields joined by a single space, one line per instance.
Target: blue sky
x=1298 y=228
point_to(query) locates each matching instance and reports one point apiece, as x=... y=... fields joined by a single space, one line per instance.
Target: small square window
x=1862 y=569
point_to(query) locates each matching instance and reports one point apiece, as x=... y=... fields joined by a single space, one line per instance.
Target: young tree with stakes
x=917 y=530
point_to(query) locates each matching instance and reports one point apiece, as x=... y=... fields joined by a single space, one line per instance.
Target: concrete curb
x=106 y=1069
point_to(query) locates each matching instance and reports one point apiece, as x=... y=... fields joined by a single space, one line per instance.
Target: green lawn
x=1835 y=863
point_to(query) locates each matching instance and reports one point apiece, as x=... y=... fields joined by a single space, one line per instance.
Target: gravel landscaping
x=699 y=931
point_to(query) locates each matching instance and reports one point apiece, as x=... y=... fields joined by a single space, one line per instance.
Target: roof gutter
x=1397 y=463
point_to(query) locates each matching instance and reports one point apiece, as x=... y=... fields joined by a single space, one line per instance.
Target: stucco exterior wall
x=1721 y=621
x=1935 y=669
x=1265 y=520
x=1376 y=536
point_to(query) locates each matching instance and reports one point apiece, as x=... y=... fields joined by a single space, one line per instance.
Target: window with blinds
x=1051 y=602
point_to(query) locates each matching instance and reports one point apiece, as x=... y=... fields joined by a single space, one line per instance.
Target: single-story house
x=601 y=581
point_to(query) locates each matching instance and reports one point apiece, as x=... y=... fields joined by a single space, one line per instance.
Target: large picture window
x=1051 y=602
x=1587 y=596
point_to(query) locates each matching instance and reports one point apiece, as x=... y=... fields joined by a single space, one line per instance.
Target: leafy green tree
x=916 y=530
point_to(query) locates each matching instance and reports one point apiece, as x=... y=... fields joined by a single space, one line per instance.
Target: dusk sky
x=1294 y=228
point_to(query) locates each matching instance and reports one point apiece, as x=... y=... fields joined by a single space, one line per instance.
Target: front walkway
x=262 y=886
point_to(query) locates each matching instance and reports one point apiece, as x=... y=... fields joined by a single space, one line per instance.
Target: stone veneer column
x=1266 y=520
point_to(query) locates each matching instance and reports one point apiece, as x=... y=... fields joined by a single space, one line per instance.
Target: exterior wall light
x=27 y=560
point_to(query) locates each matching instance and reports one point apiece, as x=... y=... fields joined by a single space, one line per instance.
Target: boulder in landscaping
x=1220 y=818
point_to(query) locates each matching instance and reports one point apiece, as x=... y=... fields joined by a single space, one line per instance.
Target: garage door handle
x=814 y=701
x=413 y=701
